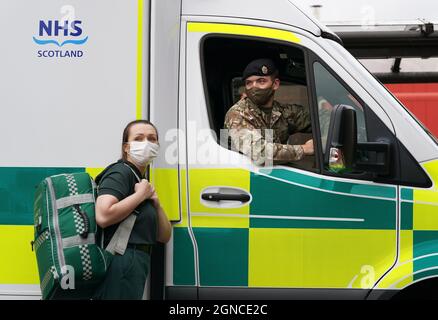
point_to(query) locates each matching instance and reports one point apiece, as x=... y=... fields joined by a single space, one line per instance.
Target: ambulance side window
x=330 y=92
x=223 y=60
x=399 y=166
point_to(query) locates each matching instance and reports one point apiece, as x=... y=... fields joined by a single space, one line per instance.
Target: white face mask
x=143 y=152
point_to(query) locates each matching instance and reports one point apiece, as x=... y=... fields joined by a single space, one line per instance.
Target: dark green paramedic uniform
x=126 y=276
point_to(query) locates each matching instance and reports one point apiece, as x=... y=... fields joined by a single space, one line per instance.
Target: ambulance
x=358 y=220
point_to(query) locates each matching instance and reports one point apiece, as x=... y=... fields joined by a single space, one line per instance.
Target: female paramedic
x=123 y=194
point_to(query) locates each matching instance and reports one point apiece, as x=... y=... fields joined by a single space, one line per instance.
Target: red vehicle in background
x=404 y=57
x=421 y=99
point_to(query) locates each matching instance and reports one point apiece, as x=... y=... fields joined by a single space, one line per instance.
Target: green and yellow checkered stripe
x=237 y=250
x=418 y=236
x=236 y=245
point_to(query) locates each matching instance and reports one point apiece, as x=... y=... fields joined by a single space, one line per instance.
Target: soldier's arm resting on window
x=248 y=140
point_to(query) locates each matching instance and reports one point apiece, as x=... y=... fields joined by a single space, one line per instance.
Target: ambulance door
x=274 y=230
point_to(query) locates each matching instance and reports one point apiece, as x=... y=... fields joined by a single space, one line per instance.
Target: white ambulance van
x=358 y=220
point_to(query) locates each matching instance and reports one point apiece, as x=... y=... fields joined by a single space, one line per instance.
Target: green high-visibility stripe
x=281 y=199
x=17 y=189
x=407 y=194
x=183 y=258
x=223 y=256
x=426 y=246
x=332 y=185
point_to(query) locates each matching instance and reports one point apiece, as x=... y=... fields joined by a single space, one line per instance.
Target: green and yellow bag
x=71 y=263
x=68 y=242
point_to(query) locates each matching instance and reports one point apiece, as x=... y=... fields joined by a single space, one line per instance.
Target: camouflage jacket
x=249 y=128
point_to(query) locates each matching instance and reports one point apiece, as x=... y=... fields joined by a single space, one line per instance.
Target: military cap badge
x=265 y=70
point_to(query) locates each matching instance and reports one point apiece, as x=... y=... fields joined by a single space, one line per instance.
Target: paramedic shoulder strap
x=119 y=241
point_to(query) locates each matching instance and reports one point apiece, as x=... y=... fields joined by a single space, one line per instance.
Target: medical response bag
x=70 y=261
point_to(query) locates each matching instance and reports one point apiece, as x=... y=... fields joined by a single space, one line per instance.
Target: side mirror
x=343 y=153
x=341 y=139
x=373 y=157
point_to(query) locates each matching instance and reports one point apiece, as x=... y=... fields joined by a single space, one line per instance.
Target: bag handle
x=84 y=217
x=119 y=241
x=135 y=174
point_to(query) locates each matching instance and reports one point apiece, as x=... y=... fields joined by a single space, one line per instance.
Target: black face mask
x=260 y=97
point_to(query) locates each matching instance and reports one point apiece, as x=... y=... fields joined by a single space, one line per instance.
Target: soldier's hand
x=308 y=148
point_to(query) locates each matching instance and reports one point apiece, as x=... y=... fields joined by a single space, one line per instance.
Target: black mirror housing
x=344 y=153
x=373 y=157
x=342 y=137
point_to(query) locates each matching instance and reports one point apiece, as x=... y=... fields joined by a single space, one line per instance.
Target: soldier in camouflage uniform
x=259 y=126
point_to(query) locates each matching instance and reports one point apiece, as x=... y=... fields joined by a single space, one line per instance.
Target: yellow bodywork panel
x=18 y=261
x=425 y=217
x=426 y=202
x=165 y=182
x=140 y=55
x=401 y=274
x=245 y=30
x=310 y=258
x=203 y=178
x=94 y=172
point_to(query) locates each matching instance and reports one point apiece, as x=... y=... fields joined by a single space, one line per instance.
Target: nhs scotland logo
x=59 y=36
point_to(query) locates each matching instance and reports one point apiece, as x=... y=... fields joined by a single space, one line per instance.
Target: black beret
x=259 y=67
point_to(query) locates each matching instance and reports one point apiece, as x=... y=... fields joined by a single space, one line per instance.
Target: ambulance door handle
x=225 y=197
x=242 y=197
